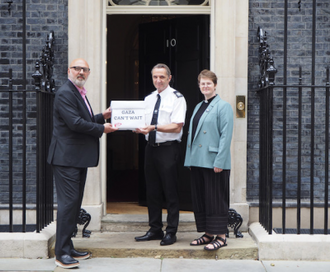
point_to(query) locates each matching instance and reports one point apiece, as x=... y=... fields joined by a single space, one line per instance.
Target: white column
x=230 y=61
x=86 y=37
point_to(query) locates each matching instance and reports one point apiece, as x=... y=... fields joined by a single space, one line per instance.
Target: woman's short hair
x=208 y=74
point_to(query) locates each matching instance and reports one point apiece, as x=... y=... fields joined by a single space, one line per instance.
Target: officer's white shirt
x=172 y=109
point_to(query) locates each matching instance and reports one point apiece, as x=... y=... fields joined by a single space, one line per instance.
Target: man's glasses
x=78 y=69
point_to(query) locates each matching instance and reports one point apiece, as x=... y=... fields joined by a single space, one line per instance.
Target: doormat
x=302 y=231
x=17 y=228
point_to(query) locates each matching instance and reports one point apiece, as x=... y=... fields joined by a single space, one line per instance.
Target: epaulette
x=178 y=94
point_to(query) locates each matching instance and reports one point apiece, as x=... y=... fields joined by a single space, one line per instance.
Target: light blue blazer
x=211 y=145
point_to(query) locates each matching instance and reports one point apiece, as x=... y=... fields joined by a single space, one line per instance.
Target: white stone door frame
x=229 y=60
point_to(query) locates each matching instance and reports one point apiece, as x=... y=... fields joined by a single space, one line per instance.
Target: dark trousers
x=210 y=199
x=70 y=184
x=161 y=172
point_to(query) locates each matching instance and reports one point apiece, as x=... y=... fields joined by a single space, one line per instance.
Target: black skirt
x=210 y=199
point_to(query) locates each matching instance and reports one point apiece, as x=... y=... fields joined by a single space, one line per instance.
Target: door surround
x=229 y=60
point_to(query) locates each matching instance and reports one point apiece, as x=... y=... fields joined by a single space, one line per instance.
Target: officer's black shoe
x=150 y=236
x=169 y=239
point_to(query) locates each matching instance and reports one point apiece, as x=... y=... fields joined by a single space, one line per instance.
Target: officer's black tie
x=152 y=134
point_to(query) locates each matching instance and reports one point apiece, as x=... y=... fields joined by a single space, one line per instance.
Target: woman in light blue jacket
x=208 y=157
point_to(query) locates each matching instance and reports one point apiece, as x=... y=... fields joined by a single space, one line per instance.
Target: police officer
x=165 y=112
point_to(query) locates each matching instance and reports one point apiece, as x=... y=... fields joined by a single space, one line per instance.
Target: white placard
x=127 y=115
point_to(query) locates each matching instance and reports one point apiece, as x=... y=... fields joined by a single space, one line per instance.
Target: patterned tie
x=152 y=134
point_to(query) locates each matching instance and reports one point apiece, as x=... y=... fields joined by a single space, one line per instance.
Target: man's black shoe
x=66 y=261
x=169 y=239
x=150 y=236
x=80 y=255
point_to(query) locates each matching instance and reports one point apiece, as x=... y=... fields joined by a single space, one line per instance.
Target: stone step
x=116 y=239
x=139 y=222
x=123 y=245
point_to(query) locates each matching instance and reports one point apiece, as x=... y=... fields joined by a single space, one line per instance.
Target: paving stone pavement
x=164 y=265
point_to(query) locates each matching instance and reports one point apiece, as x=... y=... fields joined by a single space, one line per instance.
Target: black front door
x=183 y=44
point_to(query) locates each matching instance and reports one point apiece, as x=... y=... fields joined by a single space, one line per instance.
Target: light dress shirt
x=172 y=109
x=83 y=93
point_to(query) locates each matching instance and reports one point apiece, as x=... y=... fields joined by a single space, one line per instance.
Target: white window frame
x=180 y=9
x=205 y=3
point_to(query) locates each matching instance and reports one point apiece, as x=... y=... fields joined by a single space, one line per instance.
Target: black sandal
x=216 y=243
x=201 y=240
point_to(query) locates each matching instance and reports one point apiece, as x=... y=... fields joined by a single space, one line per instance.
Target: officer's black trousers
x=161 y=172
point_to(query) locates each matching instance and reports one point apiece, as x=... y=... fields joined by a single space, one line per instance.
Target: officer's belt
x=161 y=144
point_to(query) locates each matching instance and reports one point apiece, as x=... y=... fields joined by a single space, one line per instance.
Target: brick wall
x=42 y=16
x=269 y=15
x=45 y=15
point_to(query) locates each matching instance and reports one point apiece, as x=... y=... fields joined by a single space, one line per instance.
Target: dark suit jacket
x=75 y=140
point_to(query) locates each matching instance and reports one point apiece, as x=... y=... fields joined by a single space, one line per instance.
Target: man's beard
x=80 y=82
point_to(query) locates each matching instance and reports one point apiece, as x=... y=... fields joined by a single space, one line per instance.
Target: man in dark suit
x=74 y=147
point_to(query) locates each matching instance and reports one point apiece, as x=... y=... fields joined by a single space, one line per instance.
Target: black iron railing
x=266 y=84
x=28 y=131
x=45 y=88
x=296 y=128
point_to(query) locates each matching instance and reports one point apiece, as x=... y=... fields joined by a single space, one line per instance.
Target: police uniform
x=162 y=158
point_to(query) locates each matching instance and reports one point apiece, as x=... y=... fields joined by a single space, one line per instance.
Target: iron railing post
x=266 y=85
x=10 y=135
x=326 y=161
